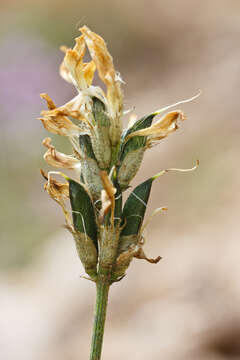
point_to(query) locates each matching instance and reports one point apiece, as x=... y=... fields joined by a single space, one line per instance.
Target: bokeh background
x=187 y=306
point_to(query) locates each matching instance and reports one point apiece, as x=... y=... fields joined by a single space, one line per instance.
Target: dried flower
x=57 y=159
x=105 y=159
x=162 y=128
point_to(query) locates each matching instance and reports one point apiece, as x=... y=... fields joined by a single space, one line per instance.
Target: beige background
x=187 y=306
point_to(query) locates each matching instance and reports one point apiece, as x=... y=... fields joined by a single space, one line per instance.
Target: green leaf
x=82 y=211
x=86 y=146
x=99 y=113
x=136 y=204
x=100 y=140
x=135 y=207
x=118 y=203
x=135 y=142
x=89 y=168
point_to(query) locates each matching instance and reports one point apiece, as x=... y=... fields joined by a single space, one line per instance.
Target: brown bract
x=56 y=189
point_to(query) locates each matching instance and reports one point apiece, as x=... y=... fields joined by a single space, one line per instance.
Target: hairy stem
x=102 y=285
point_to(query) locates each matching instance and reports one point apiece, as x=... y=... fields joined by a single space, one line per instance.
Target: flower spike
x=107 y=232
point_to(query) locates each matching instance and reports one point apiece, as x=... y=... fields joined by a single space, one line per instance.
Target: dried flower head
x=105 y=159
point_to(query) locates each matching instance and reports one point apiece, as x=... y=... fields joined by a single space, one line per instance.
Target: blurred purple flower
x=27 y=67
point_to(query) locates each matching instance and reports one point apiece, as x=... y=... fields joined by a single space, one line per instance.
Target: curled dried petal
x=79 y=108
x=100 y=55
x=80 y=47
x=57 y=159
x=56 y=189
x=49 y=101
x=89 y=71
x=56 y=123
x=74 y=64
x=73 y=70
x=59 y=192
x=141 y=255
x=104 y=63
x=65 y=73
x=162 y=128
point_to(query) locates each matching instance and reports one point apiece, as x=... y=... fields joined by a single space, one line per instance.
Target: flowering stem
x=102 y=287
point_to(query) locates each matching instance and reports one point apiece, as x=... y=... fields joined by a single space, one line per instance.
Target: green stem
x=99 y=317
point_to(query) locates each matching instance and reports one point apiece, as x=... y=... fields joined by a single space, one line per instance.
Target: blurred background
x=187 y=306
